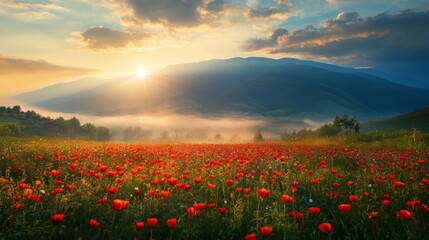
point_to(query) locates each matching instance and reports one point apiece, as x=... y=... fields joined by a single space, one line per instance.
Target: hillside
x=245 y=86
x=14 y=122
x=418 y=119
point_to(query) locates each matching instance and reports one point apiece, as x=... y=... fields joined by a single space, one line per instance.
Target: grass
x=327 y=172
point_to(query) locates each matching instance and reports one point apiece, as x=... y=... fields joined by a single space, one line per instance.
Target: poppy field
x=68 y=189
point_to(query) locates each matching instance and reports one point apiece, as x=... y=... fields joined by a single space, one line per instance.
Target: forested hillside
x=15 y=122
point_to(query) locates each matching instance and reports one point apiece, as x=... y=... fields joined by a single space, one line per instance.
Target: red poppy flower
x=251 y=236
x=399 y=184
x=385 y=202
x=287 y=199
x=139 y=226
x=54 y=173
x=102 y=201
x=199 y=206
x=198 y=180
x=172 y=181
x=111 y=174
x=192 y=212
x=165 y=194
x=344 y=207
x=404 y=214
x=172 y=223
x=222 y=211
x=335 y=184
x=112 y=190
x=298 y=216
x=57 y=191
x=325 y=227
x=93 y=223
x=230 y=182
x=374 y=215
x=72 y=166
x=266 y=231
x=211 y=205
x=263 y=192
x=353 y=198
x=314 y=210
x=151 y=222
x=57 y=218
x=120 y=204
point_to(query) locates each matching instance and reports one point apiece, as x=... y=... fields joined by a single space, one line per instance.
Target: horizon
x=48 y=42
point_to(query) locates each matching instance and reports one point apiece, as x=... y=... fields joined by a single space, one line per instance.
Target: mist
x=179 y=127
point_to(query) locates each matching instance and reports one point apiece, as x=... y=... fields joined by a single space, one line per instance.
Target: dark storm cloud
x=384 y=37
x=99 y=37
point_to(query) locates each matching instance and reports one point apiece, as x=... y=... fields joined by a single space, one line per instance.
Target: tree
x=103 y=134
x=90 y=130
x=62 y=124
x=74 y=123
x=258 y=136
x=328 y=130
x=218 y=137
x=340 y=124
x=346 y=124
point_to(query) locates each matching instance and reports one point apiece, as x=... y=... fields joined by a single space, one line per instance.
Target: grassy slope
x=418 y=119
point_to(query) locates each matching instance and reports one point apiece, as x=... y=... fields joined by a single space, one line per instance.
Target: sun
x=141 y=73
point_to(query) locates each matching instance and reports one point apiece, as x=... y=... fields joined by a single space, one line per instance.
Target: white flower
x=42 y=191
x=310 y=200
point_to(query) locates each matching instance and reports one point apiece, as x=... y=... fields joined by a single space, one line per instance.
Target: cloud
x=30 y=10
x=23 y=74
x=101 y=38
x=271 y=41
x=278 y=10
x=173 y=13
x=383 y=38
x=286 y=3
x=267 y=12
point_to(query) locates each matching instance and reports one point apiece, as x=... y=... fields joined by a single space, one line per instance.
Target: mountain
x=252 y=86
x=418 y=119
x=60 y=89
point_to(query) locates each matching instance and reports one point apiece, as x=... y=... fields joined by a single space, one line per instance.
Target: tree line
x=15 y=122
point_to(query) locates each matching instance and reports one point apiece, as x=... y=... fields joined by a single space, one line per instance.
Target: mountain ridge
x=261 y=86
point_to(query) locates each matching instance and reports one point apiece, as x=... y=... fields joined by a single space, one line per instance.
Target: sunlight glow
x=141 y=73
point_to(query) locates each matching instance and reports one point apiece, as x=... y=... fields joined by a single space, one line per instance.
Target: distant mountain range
x=285 y=87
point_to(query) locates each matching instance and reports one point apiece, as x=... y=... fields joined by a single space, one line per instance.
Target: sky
x=43 y=42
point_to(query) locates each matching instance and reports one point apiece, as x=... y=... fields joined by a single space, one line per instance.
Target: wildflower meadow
x=69 y=189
